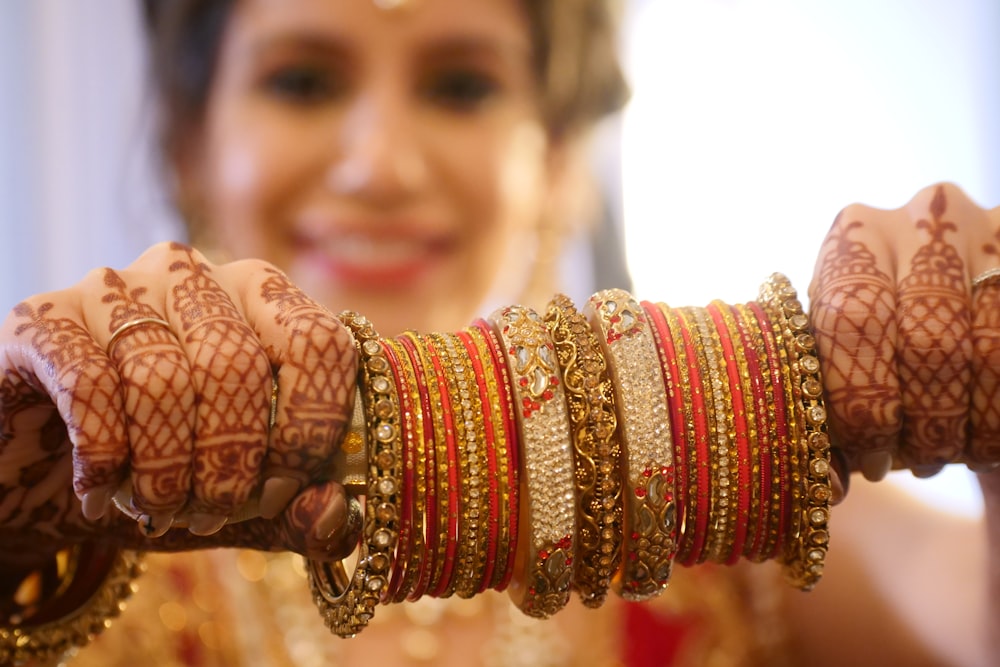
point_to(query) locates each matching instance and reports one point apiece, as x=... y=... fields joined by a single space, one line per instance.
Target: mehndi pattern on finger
x=865 y=405
x=935 y=345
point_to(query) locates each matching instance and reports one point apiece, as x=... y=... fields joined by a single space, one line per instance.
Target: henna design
x=984 y=442
x=37 y=455
x=935 y=346
x=232 y=377
x=853 y=310
x=156 y=385
x=316 y=395
x=93 y=414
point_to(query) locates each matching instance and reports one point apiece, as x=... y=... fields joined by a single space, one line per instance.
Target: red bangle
x=513 y=449
x=491 y=461
x=431 y=521
x=765 y=435
x=445 y=586
x=783 y=490
x=671 y=378
x=740 y=428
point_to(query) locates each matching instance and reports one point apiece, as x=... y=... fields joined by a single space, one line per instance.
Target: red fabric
x=653 y=639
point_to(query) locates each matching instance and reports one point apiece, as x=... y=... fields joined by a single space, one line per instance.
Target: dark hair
x=576 y=61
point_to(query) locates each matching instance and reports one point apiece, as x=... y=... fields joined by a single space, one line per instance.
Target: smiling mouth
x=364 y=261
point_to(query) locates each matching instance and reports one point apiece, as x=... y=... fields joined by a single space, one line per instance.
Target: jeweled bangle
x=495 y=508
x=549 y=527
x=650 y=532
x=347 y=605
x=410 y=550
x=693 y=445
x=700 y=505
x=442 y=581
x=805 y=556
x=510 y=457
x=724 y=468
x=781 y=447
x=472 y=462
x=427 y=491
x=88 y=612
x=596 y=450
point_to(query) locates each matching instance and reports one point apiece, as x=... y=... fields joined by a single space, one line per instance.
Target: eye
x=461 y=89
x=303 y=84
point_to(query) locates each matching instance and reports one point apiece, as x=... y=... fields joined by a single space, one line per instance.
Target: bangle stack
x=586 y=451
x=93 y=584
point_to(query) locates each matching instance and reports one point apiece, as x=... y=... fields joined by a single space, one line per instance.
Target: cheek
x=244 y=192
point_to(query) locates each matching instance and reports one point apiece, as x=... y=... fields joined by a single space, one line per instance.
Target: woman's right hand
x=158 y=379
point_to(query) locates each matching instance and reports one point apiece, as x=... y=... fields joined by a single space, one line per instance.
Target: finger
x=316 y=362
x=984 y=442
x=853 y=303
x=935 y=343
x=318 y=523
x=231 y=377
x=53 y=357
x=156 y=386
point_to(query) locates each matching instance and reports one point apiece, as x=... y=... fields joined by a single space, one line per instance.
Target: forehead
x=502 y=24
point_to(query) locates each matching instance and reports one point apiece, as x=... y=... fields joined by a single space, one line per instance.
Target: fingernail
x=276 y=494
x=95 y=503
x=876 y=465
x=926 y=470
x=205 y=524
x=332 y=519
x=155 y=525
x=837 y=486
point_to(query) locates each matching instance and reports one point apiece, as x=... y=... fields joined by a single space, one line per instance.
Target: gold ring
x=985 y=278
x=131 y=324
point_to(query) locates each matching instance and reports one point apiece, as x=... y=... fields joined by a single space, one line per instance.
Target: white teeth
x=373 y=252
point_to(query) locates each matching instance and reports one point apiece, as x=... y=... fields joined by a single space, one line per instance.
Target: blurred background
x=753 y=122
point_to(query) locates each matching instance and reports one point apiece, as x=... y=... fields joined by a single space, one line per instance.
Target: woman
x=415 y=161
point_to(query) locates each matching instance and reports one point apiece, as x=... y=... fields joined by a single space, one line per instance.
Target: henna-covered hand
x=911 y=354
x=175 y=410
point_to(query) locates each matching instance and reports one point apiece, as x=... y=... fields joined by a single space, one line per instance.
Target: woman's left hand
x=907 y=322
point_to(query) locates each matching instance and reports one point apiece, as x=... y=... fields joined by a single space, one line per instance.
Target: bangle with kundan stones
x=585 y=451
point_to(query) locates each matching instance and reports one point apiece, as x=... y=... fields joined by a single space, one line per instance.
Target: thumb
x=321 y=523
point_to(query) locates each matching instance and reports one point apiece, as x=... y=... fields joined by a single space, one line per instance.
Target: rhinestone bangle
x=550 y=528
x=348 y=604
x=650 y=513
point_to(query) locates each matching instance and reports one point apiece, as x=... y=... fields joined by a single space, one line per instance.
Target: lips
x=374 y=260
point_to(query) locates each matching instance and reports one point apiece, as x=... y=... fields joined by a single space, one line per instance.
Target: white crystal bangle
x=651 y=525
x=541 y=586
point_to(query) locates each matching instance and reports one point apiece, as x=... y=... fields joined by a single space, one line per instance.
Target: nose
x=381 y=161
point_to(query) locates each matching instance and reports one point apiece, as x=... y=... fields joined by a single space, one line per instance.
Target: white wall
x=75 y=186
x=755 y=121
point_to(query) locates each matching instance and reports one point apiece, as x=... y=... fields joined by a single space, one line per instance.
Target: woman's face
x=391 y=161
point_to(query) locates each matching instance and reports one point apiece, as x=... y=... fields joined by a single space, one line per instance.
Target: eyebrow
x=443 y=48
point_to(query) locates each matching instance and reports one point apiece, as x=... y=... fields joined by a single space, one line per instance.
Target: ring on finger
x=987 y=277
x=131 y=324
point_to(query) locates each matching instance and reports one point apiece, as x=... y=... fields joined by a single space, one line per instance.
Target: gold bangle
x=347 y=605
x=596 y=449
x=749 y=411
x=472 y=462
x=805 y=555
x=414 y=459
x=493 y=407
x=25 y=642
x=650 y=532
x=442 y=482
x=542 y=587
x=725 y=462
